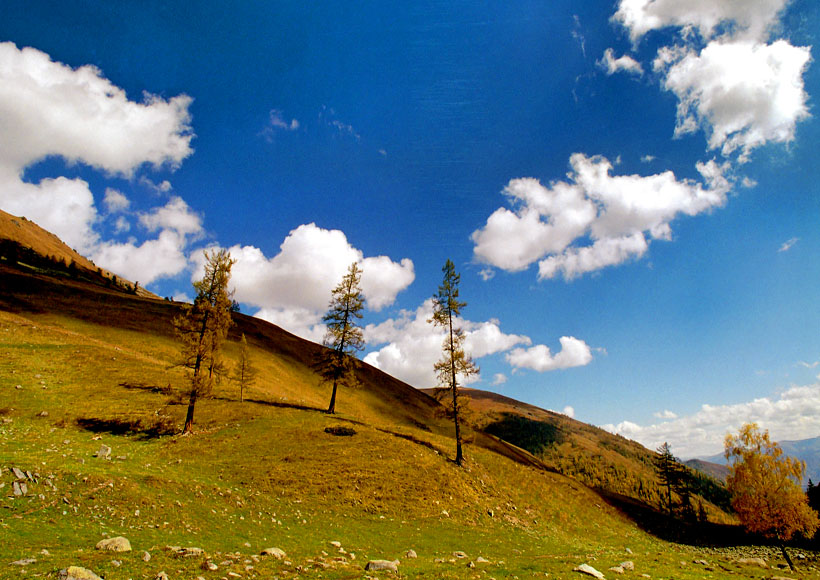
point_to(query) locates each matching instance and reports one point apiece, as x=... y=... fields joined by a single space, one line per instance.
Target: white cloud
x=788 y=245
x=176 y=215
x=115 y=201
x=647 y=158
x=293 y=288
x=574 y=353
x=145 y=262
x=743 y=94
x=499 y=379
x=665 y=414
x=122 y=225
x=49 y=109
x=793 y=415
x=623 y=63
x=614 y=212
x=277 y=122
x=752 y=19
x=569 y=411
x=413 y=345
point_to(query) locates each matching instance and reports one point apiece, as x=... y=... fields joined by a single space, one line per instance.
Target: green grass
x=264 y=473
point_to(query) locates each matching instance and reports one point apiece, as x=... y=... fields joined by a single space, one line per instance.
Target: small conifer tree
x=455 y=362
x=245 y=372
x=203 y=326
x=344 y=337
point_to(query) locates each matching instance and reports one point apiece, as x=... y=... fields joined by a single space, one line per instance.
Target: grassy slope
x=262 y=473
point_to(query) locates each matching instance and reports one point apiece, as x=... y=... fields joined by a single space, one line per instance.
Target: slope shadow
x=142 y=430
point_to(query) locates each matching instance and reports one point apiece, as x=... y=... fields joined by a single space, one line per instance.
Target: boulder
x=759 y=562
x=617 y=569
x=18 y=473
x=411 y=554
x=376 y=565
x=275 y=552
x=628 y=565
x=118 y=544
x=78 y=573
x=104 y=452
x=589 y=571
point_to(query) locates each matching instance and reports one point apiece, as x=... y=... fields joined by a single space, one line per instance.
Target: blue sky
x=629 y=189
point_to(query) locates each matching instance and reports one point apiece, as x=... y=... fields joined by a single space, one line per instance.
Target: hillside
x=24 y=244
x=591 y=455
x=90 y=413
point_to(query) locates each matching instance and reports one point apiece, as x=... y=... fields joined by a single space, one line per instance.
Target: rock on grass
x=118 y=544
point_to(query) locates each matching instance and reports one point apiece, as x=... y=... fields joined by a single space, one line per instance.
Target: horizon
x=629 y=192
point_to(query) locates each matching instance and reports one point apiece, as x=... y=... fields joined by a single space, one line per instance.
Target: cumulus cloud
x=573 y=353
x=614 y=212
x=50 y=109
x=115 y=201
x=794 y=414
x=665 y=414
x=623 y=63
x=499 y=379
x=412 y=345
x=176 y=215
x=742 y=94
x=752 y=19
x=569 y=411
x=292 y=288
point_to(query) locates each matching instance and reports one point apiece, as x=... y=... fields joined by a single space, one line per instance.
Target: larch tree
x=337 y=364
x=765 y=488
x=245 y=371
x=455 y=362
x=666 y=469
x=203 y=326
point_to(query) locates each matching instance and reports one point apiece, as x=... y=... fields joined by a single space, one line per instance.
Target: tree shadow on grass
x=284 y=405
x=159 y=427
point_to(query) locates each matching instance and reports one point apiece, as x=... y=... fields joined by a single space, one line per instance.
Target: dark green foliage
x=813 y=492
x=534 y=436
x=344 y=337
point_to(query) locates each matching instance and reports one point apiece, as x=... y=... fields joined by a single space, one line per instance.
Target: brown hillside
x=23 y=238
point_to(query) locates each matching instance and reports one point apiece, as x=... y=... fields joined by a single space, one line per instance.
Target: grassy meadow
x=83 y=367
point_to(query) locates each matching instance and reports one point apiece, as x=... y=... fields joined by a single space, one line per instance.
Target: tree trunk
x=332 y=408
x=786 y=556
x=459 y=454
x=189 y=418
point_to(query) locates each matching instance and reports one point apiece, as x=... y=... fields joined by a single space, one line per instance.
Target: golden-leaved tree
x=765 y=488
x=454 y=362
x=203 y=326
x=344 y=337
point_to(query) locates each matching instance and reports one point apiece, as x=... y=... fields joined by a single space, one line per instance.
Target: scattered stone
x=411 y=554
x=78 y=573
x=19 y=488
x=104 y=452
x=208 y=565
x=161 y=576
x=589 y=571
x=471 y=564
x=24 y=562
x=481 y=560
x=491 y=513
x=760 y=562
x=336 y=544
x=42 y=414
x=116 y=563
x=628 y=551
x=44 y=552
x=628 y=565
x=459 y=554
x=701 y=562
x=781 y=578
x=18 y=386
x=18 y=473
x=275 y=552
x=146 y=557
x=375 y=565
x=617 y=569
x=118 y=544
x=234 y=575
x=445 y=513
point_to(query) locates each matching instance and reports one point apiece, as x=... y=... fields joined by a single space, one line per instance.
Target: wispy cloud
x=788 y=245
x=793 y=414
x=625 y=63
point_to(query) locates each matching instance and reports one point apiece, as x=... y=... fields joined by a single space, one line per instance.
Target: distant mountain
x=715 y=470
x=807 y=450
